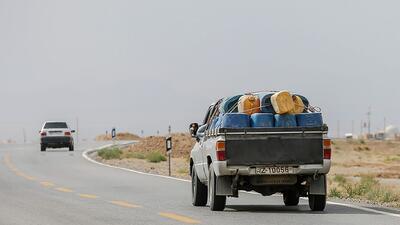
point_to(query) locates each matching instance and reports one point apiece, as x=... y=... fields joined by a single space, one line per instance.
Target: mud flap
x=318 y=185
x=224 y=186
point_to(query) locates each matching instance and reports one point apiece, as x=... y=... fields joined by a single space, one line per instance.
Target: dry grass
x=366 y=189
x=372 y=158
x=120 y=137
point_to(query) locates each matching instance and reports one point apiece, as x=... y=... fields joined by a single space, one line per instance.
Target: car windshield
x=55 y=125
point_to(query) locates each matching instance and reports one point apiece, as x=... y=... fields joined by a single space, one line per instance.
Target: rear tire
x=42 y=148
x=291 y=198
x=317 y=202
x=71 y=148
x=217 y=202
x=199 y=190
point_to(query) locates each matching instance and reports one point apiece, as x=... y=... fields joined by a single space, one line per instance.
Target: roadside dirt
x=182 y=144
x=124 y=136
x=379 y=159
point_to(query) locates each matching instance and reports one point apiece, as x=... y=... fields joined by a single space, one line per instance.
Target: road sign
x=168 y=144
x=113 y=133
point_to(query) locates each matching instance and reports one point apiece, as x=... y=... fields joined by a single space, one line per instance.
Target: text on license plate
x=275 y=170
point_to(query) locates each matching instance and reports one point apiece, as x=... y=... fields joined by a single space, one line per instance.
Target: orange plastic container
x=249 y=104
x=282 y=102
x=298 y=105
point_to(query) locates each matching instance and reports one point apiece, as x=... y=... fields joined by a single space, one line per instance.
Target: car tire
x=71 y=148
x=291 y=198
x=317 y=202
x=42 y=148
x=217 y=202
x=199 y=190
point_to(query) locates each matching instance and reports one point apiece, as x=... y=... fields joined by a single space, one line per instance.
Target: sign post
x=168 y=145
x=113 y=135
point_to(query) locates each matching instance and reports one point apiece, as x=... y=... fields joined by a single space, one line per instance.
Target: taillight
x=220 y=150
x=43 y=134
x=67 y=133
x=327 y=149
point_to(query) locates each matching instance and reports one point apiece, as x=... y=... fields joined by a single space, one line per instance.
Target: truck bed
x=273 y=146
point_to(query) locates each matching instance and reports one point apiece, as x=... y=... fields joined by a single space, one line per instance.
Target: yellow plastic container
x=298 y=105
x=282 y=102
x=249 y=104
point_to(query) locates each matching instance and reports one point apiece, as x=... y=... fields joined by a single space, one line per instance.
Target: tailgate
x=274 y=148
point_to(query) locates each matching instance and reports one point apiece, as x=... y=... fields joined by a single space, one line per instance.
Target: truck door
x=207 y=146
x=198 y=152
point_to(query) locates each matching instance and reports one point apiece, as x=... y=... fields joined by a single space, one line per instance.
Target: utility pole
x=369 y=120
x=361 y=128
x=338 y=129
x=169 y=153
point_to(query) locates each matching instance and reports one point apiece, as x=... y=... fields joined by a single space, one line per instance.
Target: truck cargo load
x=249 y=104
x=282 y=102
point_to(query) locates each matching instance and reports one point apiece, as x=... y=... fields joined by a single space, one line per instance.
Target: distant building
x=392 y=132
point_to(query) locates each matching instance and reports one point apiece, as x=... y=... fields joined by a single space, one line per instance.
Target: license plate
x=275 y=170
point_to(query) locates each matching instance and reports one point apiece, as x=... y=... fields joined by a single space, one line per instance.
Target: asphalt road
x=60 y=187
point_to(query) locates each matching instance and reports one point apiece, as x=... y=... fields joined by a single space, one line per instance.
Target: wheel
x=291 y=198
x=199 y=190
x=317 y=202
x=217 y=203
x=71 y=148
x=42 y=148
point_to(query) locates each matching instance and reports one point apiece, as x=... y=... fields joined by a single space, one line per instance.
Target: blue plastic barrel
x=285 y=120
x=262 y=120
x=266 y=105
x=235 y=120
x=229 y=104
x=309 y=119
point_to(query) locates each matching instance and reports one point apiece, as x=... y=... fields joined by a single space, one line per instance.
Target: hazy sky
x=147 y=64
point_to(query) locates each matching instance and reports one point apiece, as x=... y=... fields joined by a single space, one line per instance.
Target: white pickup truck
x=291 y=161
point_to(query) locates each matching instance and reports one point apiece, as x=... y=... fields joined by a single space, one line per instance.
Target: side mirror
x=73 y=131
x=193 y=129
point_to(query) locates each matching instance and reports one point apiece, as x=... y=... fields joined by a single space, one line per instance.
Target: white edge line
x=364 y=209
x=85 y=155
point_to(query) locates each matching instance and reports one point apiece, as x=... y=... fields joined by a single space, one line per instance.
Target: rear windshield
x=56 y=125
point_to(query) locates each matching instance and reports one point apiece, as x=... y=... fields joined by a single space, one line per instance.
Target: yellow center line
x=66 y=190
x=88 y=196
x=124 y=204
x=25 y=176
x=47 y=184
x=183 y=219
x=10 y=165
x=29 y=177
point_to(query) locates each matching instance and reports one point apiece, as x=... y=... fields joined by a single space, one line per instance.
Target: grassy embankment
x=116 y=153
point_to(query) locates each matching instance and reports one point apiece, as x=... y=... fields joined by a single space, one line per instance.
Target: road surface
x=61 y=187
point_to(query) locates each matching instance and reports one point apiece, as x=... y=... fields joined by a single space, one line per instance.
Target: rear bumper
x=221 y=169
x=56 y=141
